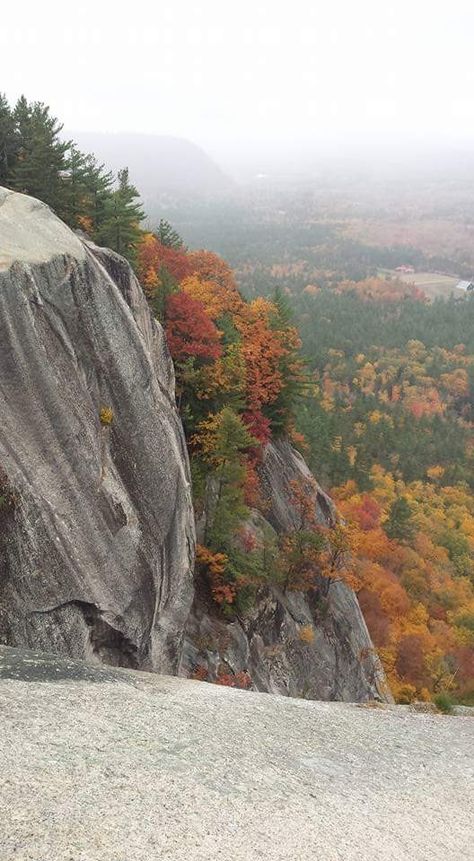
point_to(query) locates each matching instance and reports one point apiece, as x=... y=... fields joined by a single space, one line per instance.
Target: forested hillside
x=389 y=430
x=379 y=399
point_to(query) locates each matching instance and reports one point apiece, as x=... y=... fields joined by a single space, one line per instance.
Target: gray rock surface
x=315 y=645
x=97 y=541
x=138 y=767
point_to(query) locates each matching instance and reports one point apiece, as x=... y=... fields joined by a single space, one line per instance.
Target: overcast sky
x=232 y=70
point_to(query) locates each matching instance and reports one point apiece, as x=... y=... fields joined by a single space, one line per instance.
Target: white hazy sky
x=233 y=70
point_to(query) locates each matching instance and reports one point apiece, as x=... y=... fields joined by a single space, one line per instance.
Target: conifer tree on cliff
x=123 y=214
x=87 y=189
x=8 y=140
x=40 y=154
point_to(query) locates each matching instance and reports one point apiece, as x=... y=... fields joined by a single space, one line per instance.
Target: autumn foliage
x=375 y=432
x=190 y=332
x=414 y=575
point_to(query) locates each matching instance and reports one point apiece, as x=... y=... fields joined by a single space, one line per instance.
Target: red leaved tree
x=189 y=331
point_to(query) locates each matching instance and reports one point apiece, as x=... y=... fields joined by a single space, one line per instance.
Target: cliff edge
x=96 y=524
x=96 y=519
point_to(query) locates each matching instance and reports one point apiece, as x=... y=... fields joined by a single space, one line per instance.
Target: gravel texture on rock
x=130 y=766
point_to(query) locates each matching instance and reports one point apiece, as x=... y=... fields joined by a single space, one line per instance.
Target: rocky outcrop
x=96 y=520
x=108 y=764
x=314 y=645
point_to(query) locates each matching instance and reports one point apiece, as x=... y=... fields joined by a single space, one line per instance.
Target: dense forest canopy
x=375 y=386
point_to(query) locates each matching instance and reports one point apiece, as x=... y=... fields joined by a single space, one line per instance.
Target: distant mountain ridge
x=157 y=163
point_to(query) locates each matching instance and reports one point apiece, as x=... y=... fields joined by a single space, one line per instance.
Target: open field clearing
x=432 y=283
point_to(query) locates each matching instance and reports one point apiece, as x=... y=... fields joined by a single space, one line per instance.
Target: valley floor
x=102 y=764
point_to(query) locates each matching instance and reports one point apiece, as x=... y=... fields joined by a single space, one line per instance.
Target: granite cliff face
x=97 y=535
x=96 y=520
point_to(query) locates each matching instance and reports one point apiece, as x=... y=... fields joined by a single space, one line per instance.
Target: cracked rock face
x=96 y=520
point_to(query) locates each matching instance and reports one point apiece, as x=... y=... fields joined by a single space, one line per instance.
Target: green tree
x=75 y=202
x=399 y=524
x=223 y=440
x=87 y=191
x=8 y=141
x=167 y=235
x=120 y=228
x=167 y=286
x=295 y=380
x=41 y=155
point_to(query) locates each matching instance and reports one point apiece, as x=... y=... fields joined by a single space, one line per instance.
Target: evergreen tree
x=295 y=379
x=99 y=183
x=399 y=524
x=167 y=285
x=75 y=194
x=8 y=141
x=40 y=161
x=120 y=229
x=167 y=235
x=224 y=439
x=87 y=189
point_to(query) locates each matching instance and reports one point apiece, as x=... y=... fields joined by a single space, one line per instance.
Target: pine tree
x=87 y=189
x=223 y=439
x=41 y=154
x=75 y=202
x=399 y=524
x=99 y=183
x=294 y=379
x=166 y=286
x=168 y=236
x=120 y=229
x=8 y=141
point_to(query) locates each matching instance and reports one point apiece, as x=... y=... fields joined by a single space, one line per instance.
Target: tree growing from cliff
x=120 y=229
x=222 y=441
x=87 y=192
x=40 y=154
x=8 y=140
x=301 y=548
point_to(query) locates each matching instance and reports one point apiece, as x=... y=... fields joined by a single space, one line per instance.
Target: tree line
x=36 y=160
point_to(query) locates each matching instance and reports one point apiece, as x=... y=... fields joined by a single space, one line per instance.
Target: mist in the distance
x=256 y=85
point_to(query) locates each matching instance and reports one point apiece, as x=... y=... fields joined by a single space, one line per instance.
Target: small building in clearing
x=465 y=285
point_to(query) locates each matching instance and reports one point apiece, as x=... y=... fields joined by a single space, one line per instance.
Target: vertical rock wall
x=97 y=539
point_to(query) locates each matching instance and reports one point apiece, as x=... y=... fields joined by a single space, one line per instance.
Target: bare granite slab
x=104 y=764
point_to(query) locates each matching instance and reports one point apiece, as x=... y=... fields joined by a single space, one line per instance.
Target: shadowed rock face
x=96 y=524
